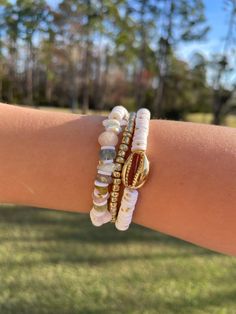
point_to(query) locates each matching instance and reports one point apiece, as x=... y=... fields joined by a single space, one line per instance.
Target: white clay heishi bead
x=139 y=143
x=105 y=173
x=107 y=217
x=100 y=204
x=97 y=194
x=142 y=125
x=108 y=147
x=139 y=147
x=141 y=138
x=111 y=122
x=97 y=213
x=96 y=221
x=108 y=139
x=115 y=115
x=101 y=184
x=131 y=193
x=107 y=161
x=144 y=111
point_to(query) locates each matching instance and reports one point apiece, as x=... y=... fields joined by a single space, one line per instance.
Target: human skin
x=49 y=160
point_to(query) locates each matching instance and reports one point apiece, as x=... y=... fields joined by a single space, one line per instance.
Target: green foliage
x=100 y=53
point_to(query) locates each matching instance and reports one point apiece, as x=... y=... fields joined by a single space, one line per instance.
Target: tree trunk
x=29 y=76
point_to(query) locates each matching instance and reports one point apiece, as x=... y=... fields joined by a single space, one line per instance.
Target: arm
x=49 y=160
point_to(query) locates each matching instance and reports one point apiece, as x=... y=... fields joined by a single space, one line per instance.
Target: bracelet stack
x=116 y=168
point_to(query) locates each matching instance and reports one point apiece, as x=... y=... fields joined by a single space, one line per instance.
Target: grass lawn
x=58 y=263
x=207 y=118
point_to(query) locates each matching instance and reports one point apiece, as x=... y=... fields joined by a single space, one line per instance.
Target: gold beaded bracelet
x=119 y=162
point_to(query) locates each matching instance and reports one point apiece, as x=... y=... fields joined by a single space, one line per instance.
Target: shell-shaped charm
x=135 y=170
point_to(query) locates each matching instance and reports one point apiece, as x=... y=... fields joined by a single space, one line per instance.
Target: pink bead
x=108 y=139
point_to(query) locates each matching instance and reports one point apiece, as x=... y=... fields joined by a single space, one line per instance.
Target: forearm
x=49 y=160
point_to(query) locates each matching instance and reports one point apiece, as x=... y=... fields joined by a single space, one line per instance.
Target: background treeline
x=94 y=54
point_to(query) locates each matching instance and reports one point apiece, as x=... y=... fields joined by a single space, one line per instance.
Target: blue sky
x=217 y=17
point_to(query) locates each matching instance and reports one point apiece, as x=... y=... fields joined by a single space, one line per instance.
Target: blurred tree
x=10 y=25
x=32 y=14
x=182 y=21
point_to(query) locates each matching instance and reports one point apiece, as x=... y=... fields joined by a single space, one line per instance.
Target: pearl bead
x=113 y=129
x=108 y=139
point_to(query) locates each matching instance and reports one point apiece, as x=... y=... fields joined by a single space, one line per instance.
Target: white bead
x=138 y=142
x=142 y=124
x=105 y=173
x=108 y=147
x=97 y=194
x=113 y=129
x=96 y=221
x=109 y=122
x=115 y=115
x=107 y=217
x=97 y=213
x=107 y=167
x=118 y=113
x=144 y=111
x=139 y=147
x=141 y=138
x=107 y=161
x=101 y=184
x=100 y=204
x=108 y=139
x=100 y=218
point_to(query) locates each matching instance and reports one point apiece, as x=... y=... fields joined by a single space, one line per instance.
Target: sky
x=217 y=18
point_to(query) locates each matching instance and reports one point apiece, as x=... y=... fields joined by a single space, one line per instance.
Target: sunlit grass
x=230 y=120
x=55 y=262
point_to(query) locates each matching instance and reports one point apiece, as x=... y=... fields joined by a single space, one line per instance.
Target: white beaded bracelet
x=135 y=170
x=108 y=139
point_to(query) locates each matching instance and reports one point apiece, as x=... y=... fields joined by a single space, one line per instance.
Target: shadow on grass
x=57 y=226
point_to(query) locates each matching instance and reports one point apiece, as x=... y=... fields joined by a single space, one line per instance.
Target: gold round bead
x=118 y=167
x=116 y=181
x=121 y=153
x=115 y=188
x=120 y=160
x=124 y=147
x=114 y=194
x=126 y=133
x=116 y=174
x=114 y=199
x=113 y=206
x=125 y=140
